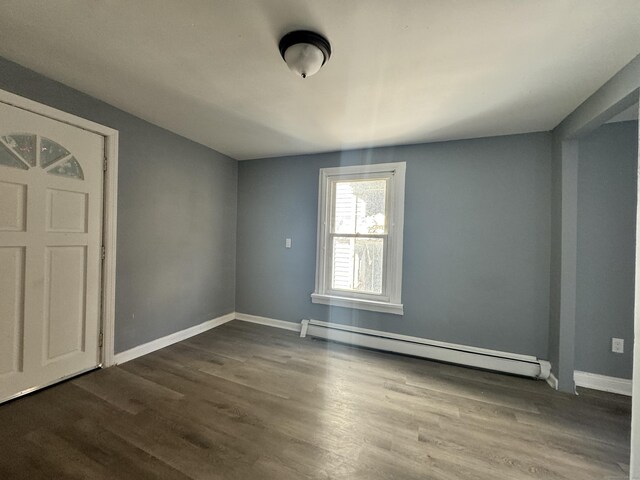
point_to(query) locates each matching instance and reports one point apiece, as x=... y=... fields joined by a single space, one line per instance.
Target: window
x=360 y=223
x=20 y=151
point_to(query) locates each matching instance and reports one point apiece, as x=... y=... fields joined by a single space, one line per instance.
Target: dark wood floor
x=249 y=402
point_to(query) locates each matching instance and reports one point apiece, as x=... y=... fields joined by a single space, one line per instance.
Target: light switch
x=617 y=345
x=287 y=243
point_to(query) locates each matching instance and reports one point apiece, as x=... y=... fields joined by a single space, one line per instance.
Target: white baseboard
x=271 y=322
x=603 y=383
x=159 y=343
x=435 y=350
x=552 y=381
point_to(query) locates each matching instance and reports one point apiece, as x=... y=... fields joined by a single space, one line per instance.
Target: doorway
x=52 y=213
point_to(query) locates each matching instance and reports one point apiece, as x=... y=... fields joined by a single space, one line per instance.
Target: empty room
x=297 y=239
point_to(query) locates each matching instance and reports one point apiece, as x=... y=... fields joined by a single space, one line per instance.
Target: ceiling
x=401 y=71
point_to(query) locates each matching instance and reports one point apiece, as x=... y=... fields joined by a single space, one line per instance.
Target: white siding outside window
x=360 y=224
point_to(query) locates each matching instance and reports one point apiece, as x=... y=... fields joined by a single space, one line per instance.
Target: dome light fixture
x=304 y=52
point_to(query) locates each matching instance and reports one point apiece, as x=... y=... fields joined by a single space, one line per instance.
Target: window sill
x=371 y=305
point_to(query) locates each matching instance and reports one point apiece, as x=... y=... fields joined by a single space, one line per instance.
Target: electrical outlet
x=617 y=345
x=287 y=243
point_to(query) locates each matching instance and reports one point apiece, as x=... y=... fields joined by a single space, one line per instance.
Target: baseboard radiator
x=513 y=363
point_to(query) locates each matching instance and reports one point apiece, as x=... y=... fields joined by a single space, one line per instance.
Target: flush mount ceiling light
x=304 y=52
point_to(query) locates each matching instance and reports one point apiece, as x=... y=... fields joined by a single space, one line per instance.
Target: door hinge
x=103 y=253
x=104 y=164
x=100 y=337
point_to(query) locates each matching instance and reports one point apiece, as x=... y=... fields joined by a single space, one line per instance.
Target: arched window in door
x=26 y=150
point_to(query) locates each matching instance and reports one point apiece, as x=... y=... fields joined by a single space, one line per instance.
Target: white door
x=50 y=250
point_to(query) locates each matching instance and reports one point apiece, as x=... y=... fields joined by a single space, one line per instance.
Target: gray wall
x=555 y=254
x=476 y=241
x=615 y=96
x=176 y=217
x=564 y=240
x=606 y=248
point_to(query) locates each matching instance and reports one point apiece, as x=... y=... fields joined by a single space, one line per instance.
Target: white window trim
x=393 y=274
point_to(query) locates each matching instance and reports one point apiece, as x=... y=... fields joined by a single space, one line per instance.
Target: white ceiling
x=401 y=71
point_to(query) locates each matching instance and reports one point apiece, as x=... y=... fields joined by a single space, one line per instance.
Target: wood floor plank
x=124 y=390
x=246 y=401
x=120 y=458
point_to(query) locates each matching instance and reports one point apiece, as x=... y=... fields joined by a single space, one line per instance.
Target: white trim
x=421 y=347
x=109 y=241
x=393 y=258
x=55 y=114
x=110 y=205
x=552 y=381
x=603 y=383
x=359 y=303
x=634 y=461
x=271 y=322
x=176 y=337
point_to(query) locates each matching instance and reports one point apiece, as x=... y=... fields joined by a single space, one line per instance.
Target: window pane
x=357 y=264
x=51 y=152
x=69 y=168
x=8 y=159
x=360 y=206
x=25 y=145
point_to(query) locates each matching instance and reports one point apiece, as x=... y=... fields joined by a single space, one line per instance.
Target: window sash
x=330 y=234
x=329 y=262
x=335 y=179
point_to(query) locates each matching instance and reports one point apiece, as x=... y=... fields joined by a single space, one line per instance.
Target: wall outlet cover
x=617 y=345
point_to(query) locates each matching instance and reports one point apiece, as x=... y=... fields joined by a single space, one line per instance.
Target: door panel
x=50 y=238
x=64 y=312
x=11 y=309
x=13 y=200
x=66 y=211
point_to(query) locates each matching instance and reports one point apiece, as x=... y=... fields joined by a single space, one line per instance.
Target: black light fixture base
x=305 y=36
